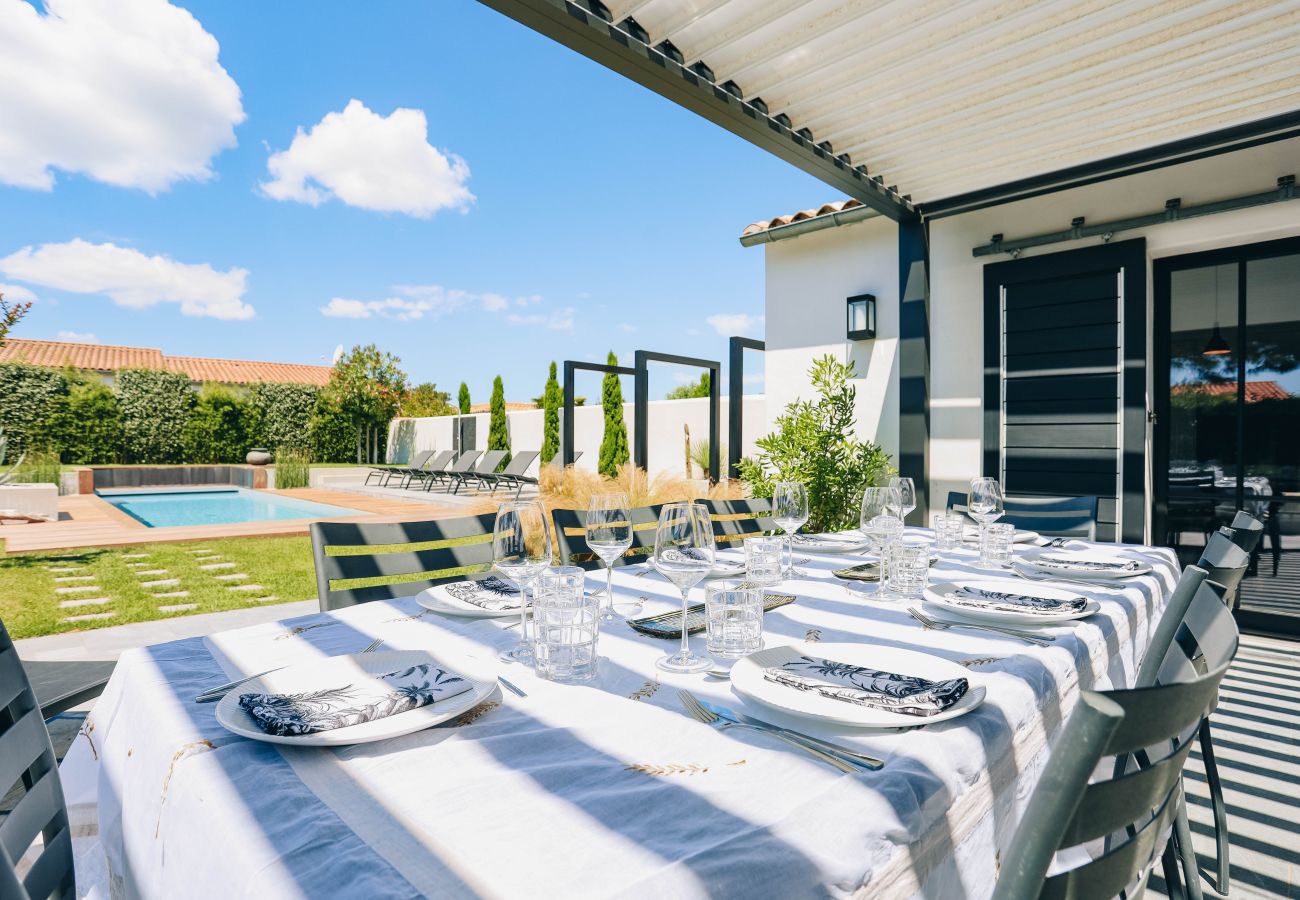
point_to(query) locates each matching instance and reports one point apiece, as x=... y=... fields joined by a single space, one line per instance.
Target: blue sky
x=602 y=216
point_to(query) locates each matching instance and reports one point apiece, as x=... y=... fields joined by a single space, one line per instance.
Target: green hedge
x=155 y=410
x=28 y=395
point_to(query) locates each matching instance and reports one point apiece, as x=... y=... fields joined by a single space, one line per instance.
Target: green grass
x=30 y=607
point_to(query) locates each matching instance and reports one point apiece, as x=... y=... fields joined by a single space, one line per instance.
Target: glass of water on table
x=609 y=535
x=734 y=613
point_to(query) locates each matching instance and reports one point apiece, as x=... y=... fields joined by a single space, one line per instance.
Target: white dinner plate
x=726 y=568
x=748 y=681
x=935 y=595
x=337 y=671
x=442 y=598
x=971 y=534
x=833 y=542
x=1087 y=564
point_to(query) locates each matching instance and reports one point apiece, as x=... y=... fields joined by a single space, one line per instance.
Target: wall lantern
x=862 y=317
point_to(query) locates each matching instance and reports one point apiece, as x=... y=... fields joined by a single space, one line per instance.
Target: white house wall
x=808 y=281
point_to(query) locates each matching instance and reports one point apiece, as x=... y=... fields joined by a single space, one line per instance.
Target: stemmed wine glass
x=684 y=553
x=521 y=549
x=879 y=523
x=609 y=535
x=984 y=502
x=789 y=511
x=906 y=495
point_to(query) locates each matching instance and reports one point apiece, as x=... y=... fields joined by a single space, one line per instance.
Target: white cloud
x=16 y=293
x=415 y=301
x=80 y=337
x=129 y=93
x=556 y=320
x=728 y=324
x=132 y=279
x=626 y=327
x=383 y=163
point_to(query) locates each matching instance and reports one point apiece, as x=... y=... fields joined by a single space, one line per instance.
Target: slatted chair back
x=387 y=553
x=571 y=537
x=1226 y=564
x=27 y=762
x=1073 y=517
x=1246 y=531
x=735 y=520
x=1135 y=809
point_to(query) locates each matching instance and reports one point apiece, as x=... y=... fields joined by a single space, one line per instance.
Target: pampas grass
x=573 y=488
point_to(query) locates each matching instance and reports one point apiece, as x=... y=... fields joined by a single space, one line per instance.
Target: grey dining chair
x=27 y=759
x=1226 y=565
x=1246 y=531
x=571 y=537
x=1072 y=517
x=735 y=520
x=1148 y=731
x=382 y=555
x=487 y=464
x=518 y=466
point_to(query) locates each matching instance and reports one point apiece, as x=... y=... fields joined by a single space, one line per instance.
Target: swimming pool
x=219 y=506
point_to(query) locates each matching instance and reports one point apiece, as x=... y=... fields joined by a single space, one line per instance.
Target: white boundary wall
x=667 y=439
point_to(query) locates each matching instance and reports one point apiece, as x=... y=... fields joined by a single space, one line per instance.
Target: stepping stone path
x=174 y=594
x=65 y=568
x=138 y=565
x=199 y=550
x=135 y=555
x=245 y=587
x=178 y=607
x=89 y=617
x=64 y=578
x=161 y=582
x=231 y=576
x=84 y=601
x=211 y=566
x=79 y=589
x=152 y=572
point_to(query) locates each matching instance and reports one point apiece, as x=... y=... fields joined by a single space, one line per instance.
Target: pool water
x=219 y=506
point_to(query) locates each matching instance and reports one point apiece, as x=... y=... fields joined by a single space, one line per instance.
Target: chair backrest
x=1074 y=517
x=27 y=760
x=437 y=462
x=490 y=460
x=464 y=462
x=735 y=520
x=445 y=550
x=1245 y=531
x=520 y=462
x=419 y=459
x=1225 y=564
x=571 y=537
x=1156 y=726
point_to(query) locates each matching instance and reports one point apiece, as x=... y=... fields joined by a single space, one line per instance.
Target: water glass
x=763 y=559
x=995 y=545
x=909 y=567
x=882 y=532
x=790 y=512
x=948 y=530
x=569 y=579
x=734 y=613
x=566 y=626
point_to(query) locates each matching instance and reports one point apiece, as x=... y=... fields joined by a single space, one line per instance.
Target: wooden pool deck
x=86 y=520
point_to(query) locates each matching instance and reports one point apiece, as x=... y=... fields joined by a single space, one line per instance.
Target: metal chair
x=1226 y=565
x=1148 y=731
x=384 y=473
x=571 y=537
x=735 y=520
x=508 y=476
x=486 y=464
x=463 y=463
x=430 y=463
x=460 y=546
x=1245 y=531
x=27 y=758
x=1074 y=517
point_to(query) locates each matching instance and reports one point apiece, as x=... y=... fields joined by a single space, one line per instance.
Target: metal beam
x=1174 y=211
x=736 y=398
x=914 y=363
x=570 y=367
x=641 y=405
x=577 y=27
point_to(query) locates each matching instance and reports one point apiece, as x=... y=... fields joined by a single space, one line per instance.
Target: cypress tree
x=613 y=448
x=498 y=436
x=552 y=399
x=463 y=399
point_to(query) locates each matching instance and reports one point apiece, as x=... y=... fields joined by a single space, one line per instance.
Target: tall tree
x=552 y=399
x=613 y=448
x=462 y=399
x=368 y=385
x=426 y=400
x=498 y=434
x=10 y=315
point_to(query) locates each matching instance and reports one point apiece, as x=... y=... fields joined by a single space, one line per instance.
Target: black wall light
x=862 y=317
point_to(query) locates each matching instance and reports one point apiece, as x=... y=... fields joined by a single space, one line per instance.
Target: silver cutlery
x=825 y=746
x=1053 y=578
x=514 y=690
x=213 y=694
x=928 y=623
x=713 y=720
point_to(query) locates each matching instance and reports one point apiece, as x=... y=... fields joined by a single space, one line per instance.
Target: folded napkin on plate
x=978 y=598
x=490 y=593
x=396 y=692
x=1092 y=565
x=868 y=571
x=905 y=694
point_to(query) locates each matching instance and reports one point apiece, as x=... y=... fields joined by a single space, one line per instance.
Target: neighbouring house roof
x=828 y=215
x=109 y=358
x=510 y=407
x=1255 y=390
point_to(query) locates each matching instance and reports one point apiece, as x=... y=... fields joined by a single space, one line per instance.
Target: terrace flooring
x=86 y=520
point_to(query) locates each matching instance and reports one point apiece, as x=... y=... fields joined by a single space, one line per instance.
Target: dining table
x=603 y=789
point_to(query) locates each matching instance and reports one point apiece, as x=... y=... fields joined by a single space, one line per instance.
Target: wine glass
x=789 y=511
x=878 y=520
x=521 y=549
x=984 y=502
x=906 y=495
x=609 y=535
x=684 y=552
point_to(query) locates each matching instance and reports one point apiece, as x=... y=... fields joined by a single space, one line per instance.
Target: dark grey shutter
x=1065 y=391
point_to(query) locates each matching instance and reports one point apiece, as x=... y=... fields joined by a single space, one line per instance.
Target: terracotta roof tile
x=1255 y=390
x=109 y=358
x=510 y=407
x=823 y=210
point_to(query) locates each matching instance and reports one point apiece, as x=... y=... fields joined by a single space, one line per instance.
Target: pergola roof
x=942 y=99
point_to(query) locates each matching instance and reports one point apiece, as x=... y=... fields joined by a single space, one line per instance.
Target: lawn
x=29 y=599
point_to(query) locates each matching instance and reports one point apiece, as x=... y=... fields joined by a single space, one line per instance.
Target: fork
x=699 y=713
x=1016 y=570
x=213 y=694
x=928 y=623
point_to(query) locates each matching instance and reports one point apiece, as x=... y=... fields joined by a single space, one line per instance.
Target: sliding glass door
x=1228 y=411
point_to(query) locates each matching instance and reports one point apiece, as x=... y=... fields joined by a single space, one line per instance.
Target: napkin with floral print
x=906 y=694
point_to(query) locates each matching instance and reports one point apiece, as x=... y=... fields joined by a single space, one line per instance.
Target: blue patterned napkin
x=860 y=685
x=979 y=598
